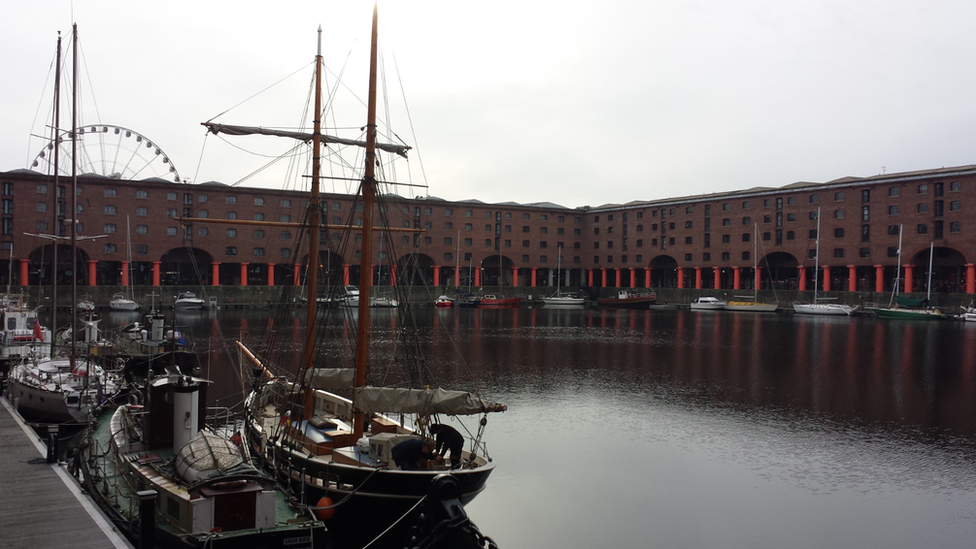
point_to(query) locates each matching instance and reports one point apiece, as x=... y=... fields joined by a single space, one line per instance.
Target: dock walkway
x=41 y=505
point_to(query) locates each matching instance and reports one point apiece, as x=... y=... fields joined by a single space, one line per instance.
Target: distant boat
x=630 y=299
x=121 y=303
x=443 y=302
x=85 y=306
x=490 y=300
x=560 y=300
x=188 y=301
x=707 y=303
x=753 y=305
x=816 y=308
x=904 y=308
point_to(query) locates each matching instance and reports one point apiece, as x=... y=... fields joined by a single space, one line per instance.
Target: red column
x=271 y=267
x=757 y=284
x=736 y=278
x=908 y=278
x=244 y=274
x=970 y=278
x=826 y=278
x=633 y=277
x=457 y=278
x=91 y=272
x=514 y=276
x=215 y=273
x=802 y=284
x=681 y=277
x=345 y=274
x=879 y=278
x=296 y=275
x=532 y=283
x=24 y=278
x=647 y=277
x=698 y=278
x=851 y=278
x=156 y=265
x=717 y=273
x=603 y=273
x=437 y=275
x=617 y=280
x=589 y=276
x=125 y=273
x=477 y=276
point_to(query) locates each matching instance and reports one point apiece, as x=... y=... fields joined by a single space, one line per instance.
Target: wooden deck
x=42 y=506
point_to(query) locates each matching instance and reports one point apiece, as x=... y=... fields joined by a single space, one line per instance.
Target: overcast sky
x=578 y=103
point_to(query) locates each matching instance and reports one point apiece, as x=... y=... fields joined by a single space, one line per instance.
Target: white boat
x=85 y=306
x=707 y=303
x=817 y=308
x=443 y=302
x=21 y=334
x=969 y=315
x=351 y=299
x=121 y=303
x=51 y=391
x=560 y=300
x=188 y=301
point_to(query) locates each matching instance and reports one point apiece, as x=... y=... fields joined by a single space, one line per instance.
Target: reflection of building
x=214 y=234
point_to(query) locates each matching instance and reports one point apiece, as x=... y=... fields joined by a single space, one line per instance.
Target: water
x=672 y=428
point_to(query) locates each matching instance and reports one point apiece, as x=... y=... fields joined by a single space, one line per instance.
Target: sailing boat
x=338 y=451
x=815 y=308
x=894 y=308
x=560 y=300
x=753 y=305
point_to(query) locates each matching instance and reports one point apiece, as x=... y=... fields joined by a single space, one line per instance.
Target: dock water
x=41 y=505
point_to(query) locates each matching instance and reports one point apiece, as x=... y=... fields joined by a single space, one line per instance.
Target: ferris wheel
x=110 y=151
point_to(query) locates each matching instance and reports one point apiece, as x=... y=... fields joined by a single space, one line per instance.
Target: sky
x=576 y=103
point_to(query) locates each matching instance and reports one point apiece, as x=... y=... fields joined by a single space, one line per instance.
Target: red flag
x=37 y=332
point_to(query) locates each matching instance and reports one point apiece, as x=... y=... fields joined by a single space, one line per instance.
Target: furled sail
x=421 y=401
x=231 y=129
x=330 y=379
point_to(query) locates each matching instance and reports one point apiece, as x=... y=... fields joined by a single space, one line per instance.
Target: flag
x=37 y=332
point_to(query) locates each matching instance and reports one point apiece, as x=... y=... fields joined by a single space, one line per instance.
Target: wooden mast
x=57 y=185
x=314 y=213
x=366 y=259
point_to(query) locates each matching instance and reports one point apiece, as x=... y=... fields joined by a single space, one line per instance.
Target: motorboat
x=121 y=303
x=832 y=309
x=443 y=302
x=188 y=301
x=707 y=303
x=630 y=299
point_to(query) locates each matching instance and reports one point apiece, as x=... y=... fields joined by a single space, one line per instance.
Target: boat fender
x=363 y=445
x=324 y=510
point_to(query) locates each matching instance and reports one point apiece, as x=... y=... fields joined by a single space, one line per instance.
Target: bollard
x=147 y=519
x=52 y=443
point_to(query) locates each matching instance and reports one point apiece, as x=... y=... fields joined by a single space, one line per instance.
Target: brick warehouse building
x=154 y=232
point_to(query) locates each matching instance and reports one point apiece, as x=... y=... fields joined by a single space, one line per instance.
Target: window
x=705 y=256
x=790 y=218
x=922 y=229
x=790 y=235
x=108 y=192
x=232 y=200
x=893 y=230
x=259 y=216
x=812 y=254
x=42 y=207
x=746 y=237
x=468 y=213
x=791 y=201
x=231 y=215
x=838 y=214
x=142 y=249
x=955 y=227
x=203 y=231
x=142 y=193
x=865 y=233
x=171 y=196
x=171 y=212
x=285 y=253
x=745 y=205
x=893 y=209
x=285 y=203
x=170 y=231
x=892 y=251
x=838 y=253
x=865 y=196
x=894 y=191
x=285 y=218
x=487 y=242
x=708 y=210
x=955 y=186
x=865 y=213
x=726 y=239
x=525 y=259
x=813 y=215
x=108 y=249
x=596 y=245
x=813 y=234
x=687 y=224
x=767 y=219
x=955 y=206
x=766 y=237
x=109 y=210
x=726 y=222
x=688 y=257
x=725 y=256
x=258 y=252
x=726 y=207
x=448 y=211
x=545 y=230
x=201 y=198
x=41 y=226
x=687 y=240
x=258 y=201
x=230 y=250
x=142 y=211
x=448 y=241
x=258 y=234
x=525 y=216
x=525 y=243
x=745 y=256
x=596 y=230
x=838 y=233
x=814 y=198
x=142 y=229
x=448 y=226
x=231 y=233
x=468 y=242
x=923 y=189
x=922 y=208
x=747 y=220
x=864 y=253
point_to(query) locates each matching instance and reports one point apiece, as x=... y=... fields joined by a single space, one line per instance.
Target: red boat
x=630 y=299
x=492 y=301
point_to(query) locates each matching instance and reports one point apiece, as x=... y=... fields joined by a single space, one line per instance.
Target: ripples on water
x=678 y=429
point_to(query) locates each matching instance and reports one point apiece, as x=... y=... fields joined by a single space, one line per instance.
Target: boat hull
x=748 y=306
x=627 y=302
x=828 y=309
x=563 y=301
x=707 y=304
x=41 y=406
x=910 y=314
x=499 y=302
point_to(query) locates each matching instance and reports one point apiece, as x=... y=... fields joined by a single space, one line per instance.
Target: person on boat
x=412 y=454
x=449 y=439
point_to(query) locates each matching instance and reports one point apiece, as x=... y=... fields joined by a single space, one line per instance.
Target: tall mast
x=816 y=263
x=74 y=196
x=366 y=259
x=314 y=213
x=57 y=186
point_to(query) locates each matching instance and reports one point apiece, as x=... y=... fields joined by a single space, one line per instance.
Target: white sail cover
x=330 y=379
x=232 y=129
x=421 y=401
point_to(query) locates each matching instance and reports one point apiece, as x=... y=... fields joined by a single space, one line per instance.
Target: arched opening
x=948 y=270
x=187 y=267
x=664 y=272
